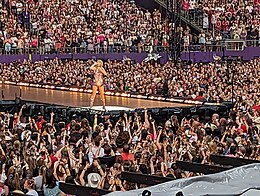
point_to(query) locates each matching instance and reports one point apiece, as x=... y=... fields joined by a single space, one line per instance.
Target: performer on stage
x=98 y=83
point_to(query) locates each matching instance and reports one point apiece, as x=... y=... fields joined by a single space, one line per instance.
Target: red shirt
x=39 y=124
x=256 y=107
x=53 y=159
x=219 y=25
x=128 y=156
x=34 y=43
x=226 y=25
x=15 y=122
x=199 y=98
x=186 y=5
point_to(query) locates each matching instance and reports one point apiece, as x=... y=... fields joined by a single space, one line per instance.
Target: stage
x=78 y=99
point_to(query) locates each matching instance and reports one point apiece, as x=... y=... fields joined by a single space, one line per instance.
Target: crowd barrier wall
x=137 y=57
x=63 y=113
x=248 y=53
x=195 y=56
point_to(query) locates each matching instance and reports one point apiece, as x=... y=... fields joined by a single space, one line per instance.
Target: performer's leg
x=93 y=95
x=102 y=95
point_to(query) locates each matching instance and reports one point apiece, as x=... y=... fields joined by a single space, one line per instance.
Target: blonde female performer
x=98 y=83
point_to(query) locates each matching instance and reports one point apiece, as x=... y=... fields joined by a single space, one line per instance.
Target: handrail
x=214 y=46
x=84 y=50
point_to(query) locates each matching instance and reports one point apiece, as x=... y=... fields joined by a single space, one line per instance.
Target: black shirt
x=107 y=160
x=77 y=135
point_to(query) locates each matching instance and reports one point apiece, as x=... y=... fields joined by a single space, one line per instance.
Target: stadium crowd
x=233 y=19
x=37 y=154
x=200 y=81
x=112 y=26
x=80 y=26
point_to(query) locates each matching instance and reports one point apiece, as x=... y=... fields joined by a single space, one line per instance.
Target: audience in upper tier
x=80 y=26
x=115 y=26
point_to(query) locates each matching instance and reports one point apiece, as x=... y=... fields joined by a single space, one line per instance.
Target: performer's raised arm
x=93 y=67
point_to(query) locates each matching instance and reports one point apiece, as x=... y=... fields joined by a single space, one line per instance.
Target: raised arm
x=51 y=121
x=8 y=119
x=20 y=113
x=154 y=131
x=81 y=177
x=126 y=120
x=147 y=123
x=159 y=146
x=151 y=165
x=93 y=67
x=95 y=122
x=98 y=150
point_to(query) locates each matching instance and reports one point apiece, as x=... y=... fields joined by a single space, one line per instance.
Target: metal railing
x=229 y=44
x=84 y=50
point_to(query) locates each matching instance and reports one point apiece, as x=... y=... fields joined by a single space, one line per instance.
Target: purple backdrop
x=247 y=54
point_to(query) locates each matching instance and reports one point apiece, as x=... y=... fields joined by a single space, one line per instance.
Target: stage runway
x=77 y=99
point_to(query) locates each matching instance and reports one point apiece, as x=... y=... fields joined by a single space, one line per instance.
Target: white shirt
x=32 y=193
x=92 y=153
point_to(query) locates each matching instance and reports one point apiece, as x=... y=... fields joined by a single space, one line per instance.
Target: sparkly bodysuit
x=98 y=78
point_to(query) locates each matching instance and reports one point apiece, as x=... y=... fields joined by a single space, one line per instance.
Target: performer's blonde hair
x=100 y=63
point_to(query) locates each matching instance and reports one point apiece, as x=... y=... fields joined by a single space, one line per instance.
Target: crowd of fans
x=80 y=26
x=112 y=26
x=200 y=81
x=37 y=154
x=226 y=19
